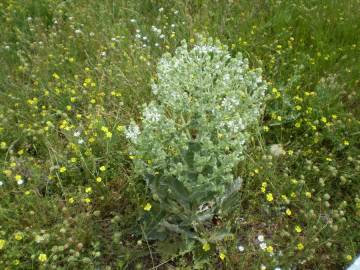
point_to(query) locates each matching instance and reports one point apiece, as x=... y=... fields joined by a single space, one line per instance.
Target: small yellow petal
x=147 y=207
x=206 y=247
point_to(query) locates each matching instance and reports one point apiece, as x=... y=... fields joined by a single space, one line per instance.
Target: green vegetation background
x=74 y=72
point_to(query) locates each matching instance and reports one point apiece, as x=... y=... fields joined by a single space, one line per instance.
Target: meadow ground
x=73 y=74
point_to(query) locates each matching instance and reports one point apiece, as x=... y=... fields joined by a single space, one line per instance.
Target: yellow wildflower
x=2 y=243
x=18 y=236
x=120 y=128
x=347 y=257
x=3 y=145
x=300 y=246
x=42 y=257
x=263 y=187
x=269 y=197
x=147 y=207
x=206 y=247
x=108 y=134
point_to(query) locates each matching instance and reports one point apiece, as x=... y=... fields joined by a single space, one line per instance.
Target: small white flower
x=133 y=21
x=241 y=248
x=154 y=89
x=151 y=114
x=77 y=133
x=81 y=141
x=103 y=54
x=206 y=49
x=20 y=182
x=277 y=150
x=261 y=238
x=1 y=183
x=277 y=268
x=161 y=9
x=78 y=31
x=39 y=238
x=263 y=245
x=92 y=34
x=132 y=132
x=262 y=267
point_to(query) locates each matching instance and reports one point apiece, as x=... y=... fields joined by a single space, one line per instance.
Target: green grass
x=77 y=66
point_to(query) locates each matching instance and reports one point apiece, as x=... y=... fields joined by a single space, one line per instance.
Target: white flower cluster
x=206 y=105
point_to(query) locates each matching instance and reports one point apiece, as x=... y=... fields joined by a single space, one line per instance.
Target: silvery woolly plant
x=194 y=133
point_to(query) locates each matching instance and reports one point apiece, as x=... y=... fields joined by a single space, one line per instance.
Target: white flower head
x=39 y=238
x=261 y=238
x=241 y=248
x=151 y=114
x=277 y=150
x=263 y=245
x=132 y=132
x=20 y=182
x=206 y=49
